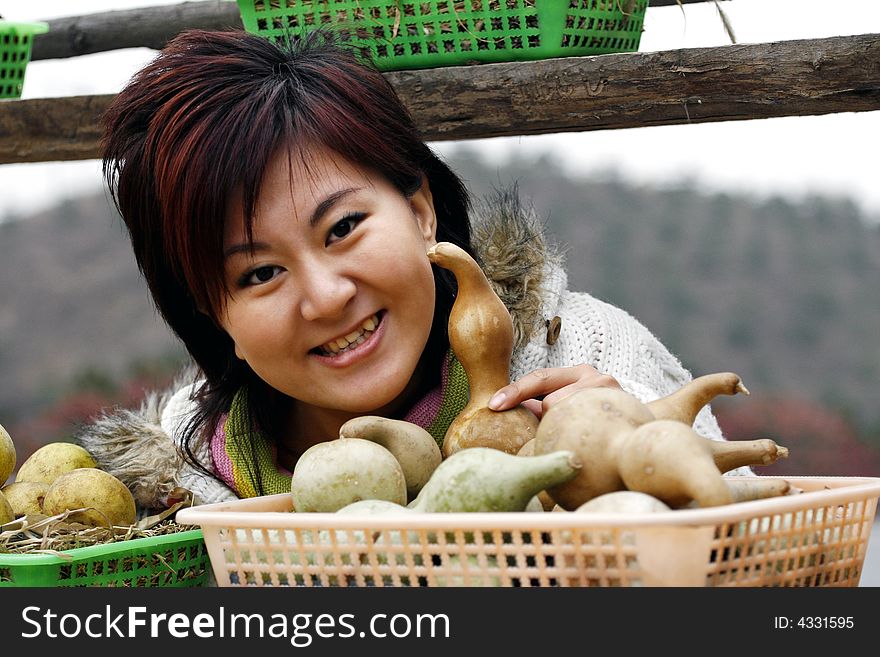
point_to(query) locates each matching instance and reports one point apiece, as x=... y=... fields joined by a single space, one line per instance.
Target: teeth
x=353 y=339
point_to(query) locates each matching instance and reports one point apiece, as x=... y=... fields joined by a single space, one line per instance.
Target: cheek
x=253 y=337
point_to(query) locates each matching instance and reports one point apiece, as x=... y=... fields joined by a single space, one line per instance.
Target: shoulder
x=179 y=407
x=591 y=330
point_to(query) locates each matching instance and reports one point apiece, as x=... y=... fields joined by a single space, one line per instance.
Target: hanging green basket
x=408 y=34
x=16 y=40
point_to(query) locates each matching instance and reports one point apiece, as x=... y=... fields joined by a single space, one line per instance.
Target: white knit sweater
x=611 y=340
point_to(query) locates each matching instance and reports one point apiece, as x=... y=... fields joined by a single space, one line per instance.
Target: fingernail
x=497 y=400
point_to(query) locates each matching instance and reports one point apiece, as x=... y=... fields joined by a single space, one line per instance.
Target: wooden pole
x=725 y=83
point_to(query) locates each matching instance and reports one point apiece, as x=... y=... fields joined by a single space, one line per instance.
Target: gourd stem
x=684 y=404
x=733 y=454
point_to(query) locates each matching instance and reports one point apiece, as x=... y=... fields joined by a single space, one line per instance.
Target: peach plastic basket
x=815 y=538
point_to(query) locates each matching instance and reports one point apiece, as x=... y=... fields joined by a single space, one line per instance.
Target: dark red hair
x=201 y=122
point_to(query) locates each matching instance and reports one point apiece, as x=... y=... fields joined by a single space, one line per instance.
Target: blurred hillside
x=786 y=294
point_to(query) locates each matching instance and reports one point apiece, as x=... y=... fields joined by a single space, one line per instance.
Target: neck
x=307 y=425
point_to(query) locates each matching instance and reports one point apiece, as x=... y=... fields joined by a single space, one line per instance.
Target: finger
x=537 y=384
x=601 y=381
x=535 y=406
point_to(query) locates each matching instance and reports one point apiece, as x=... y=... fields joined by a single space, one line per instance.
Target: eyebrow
x=320 y=210
x=332 y=199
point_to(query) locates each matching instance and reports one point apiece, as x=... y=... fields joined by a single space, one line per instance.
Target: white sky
x=833 y=154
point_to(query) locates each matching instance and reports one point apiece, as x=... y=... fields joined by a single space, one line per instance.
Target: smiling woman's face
x=334 y=304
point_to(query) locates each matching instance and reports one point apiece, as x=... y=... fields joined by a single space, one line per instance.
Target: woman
x=280 y=203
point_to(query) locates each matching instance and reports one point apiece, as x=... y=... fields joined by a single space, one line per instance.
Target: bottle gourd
x=481 y=337
x=624 y=444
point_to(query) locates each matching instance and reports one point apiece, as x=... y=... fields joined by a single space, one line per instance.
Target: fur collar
x=524 y=269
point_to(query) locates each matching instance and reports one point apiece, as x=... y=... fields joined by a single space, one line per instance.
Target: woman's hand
x=551 y=384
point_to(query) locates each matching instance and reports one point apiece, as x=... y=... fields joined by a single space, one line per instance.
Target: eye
x=343 y=227
x=259 y=275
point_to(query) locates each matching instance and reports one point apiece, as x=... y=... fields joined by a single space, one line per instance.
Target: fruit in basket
x=547 y=503
x=104 y=499
x=335 y=473
x=7 y=455
x=746 y=489
x=481 y=337
x=482 y=479
x=52 y=460
x=6 y=512
x=597 y=424
x=413 y=447
x=684 y=404
x=26 y=497
x=623 y=501
x=671 y=461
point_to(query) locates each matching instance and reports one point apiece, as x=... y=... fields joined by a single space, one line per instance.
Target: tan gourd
x=335 y=473
x=597 y=425
x=748 y=489
x=684 y=404
x=7 y=455
x=53 y=460
x=7 y=513
x=623 y=501
x=95 y=498
x=26 y=497
x=413 y=447
x=481 y=337
x=670 y=461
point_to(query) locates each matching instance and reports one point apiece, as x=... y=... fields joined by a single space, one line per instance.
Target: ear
x=422 y=204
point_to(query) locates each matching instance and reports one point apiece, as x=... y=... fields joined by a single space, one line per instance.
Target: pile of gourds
x=595 y=443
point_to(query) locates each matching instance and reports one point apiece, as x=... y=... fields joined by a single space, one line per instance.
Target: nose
x=326 y=291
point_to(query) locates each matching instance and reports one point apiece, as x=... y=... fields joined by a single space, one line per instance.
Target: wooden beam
x=725 y=83
x=696 y=85
x=48 y=129
x=149 y=27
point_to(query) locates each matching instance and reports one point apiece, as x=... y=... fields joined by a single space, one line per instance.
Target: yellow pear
x=26 y=497
x=6 y=512
x=7 y=455
x=106 y=499
x=53 y=460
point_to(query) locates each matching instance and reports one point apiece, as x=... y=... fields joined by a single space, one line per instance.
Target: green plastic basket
x=16 y=40
x=175 y=560
x=409 y=34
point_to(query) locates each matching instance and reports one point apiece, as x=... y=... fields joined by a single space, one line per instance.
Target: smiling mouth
x=351 y=341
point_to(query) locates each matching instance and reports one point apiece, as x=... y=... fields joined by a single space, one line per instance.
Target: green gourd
x=481 y=479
